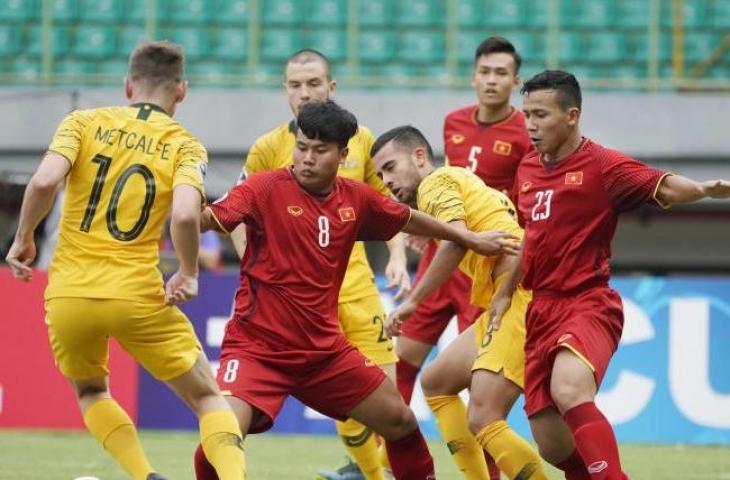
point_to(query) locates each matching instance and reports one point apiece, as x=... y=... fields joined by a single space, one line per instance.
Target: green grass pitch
x=43 y=455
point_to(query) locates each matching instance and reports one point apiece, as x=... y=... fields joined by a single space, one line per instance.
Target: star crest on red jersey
x=502 y=148
x=347 y=214
x=525 y=187
x=294 y=210
x=457 y=138
x=574 y=178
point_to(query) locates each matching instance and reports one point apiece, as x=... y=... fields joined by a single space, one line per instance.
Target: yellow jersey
x=275 y=149
x=125 y=162
x=455 y=193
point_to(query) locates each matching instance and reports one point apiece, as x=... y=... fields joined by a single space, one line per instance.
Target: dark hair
x=328 y=122
x=307 y=55
x=157 y=64
x=406 y=136
x=564 y=83
x=498 y=45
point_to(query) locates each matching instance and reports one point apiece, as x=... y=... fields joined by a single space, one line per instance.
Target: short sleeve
x=68 y=137
x=438 y=196
x=628 y=182
x=236 y=207
x=191 y=165
x=370 y=172
x=257 y=158
x=383 y=218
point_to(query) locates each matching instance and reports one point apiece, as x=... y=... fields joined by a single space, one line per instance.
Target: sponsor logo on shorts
x=565 y=338
x=457 y=138
x=597 y=467
x=294 y=210
x=502 y=148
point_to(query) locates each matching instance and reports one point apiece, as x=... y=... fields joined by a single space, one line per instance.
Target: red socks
x=494 y=473
x=574 y=467
x=595 y=442
x=409 y=457
x=405 y=379
x=203 y=469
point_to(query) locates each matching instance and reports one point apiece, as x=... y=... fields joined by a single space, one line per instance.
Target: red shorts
x=588 y=323
x=433 y=314
x=332 y=382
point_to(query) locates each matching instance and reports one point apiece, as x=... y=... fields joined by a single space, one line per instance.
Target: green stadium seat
x=588 y=13
x=269 y=73
x=388 y=75
x=136 y=11
x=326 y=12
x=129 y=37
x=537 y=14
x=331 y=42
x=699 y=45
x=694 y=13
x=376 y=46
x=625 y=71
x=195 y=41
x=232 y=12
x=73 y=72
x=59 y=41
x=419 y=46
x=571 y=48
x=505 y=13
x=231 y=44
x=18 y=10
x=605 y=46
x=720 y=15
x=9 y=40
x=214 y=73
x=65 y=10
x=26 y=70
x=531 y=68
x=527 y=44
x=640 y=47
x=102 y=10
x=419 y=13
x=633 y=14
x=467 y=42
x=376 y=13
x=582 y=72
x=282 y=12
x=112 y=72
x=94 y=42
x=190 y=11
x=279 y=44
x=470 y=13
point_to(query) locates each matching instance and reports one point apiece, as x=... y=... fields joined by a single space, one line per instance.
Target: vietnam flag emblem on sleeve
x=347 y=214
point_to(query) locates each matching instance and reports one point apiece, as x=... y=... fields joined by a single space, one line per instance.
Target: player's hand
x=497 y=309
x=396 y=274
x=181 y=288
x=716 y=188
x=417 y=243
x=20 y=256
x=494 y=242
x=394 y=322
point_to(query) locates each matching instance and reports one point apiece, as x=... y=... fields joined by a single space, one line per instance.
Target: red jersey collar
x=504 y=120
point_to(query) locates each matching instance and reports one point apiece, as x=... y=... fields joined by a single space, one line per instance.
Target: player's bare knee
x=431 y=381
x=482 y=414
x=568 y=393
x=401 y=422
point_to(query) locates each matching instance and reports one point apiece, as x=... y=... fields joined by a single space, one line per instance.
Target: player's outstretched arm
x=37 y=202
x=483 y=243
x=396 y=271
x=238 y=239
x=511 y=267
x=185 y=234
x=678 y=189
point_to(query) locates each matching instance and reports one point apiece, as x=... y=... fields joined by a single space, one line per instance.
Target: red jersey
x=297 y=252
x=492 y=151
x=570 y=211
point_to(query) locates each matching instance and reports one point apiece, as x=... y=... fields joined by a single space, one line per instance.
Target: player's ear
x=573 y=116
x=332 y=86
x=419 y=156
x=181 y=91
x=128 y=88
x=343 y=154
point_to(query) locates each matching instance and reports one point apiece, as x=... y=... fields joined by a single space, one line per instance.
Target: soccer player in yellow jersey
x=307 y=79
x=488 y=359
x=125 y=169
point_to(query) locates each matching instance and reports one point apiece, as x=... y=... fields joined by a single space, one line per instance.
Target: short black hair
x=498 y=45
x=564 y=83
x=406 y=136
x=307 y=55
x=328 y=122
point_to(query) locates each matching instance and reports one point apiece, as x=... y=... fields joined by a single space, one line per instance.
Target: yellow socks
x=360 y=443
x=221 y=439
x=113 y=428
x=450 y=414
x=512 y=453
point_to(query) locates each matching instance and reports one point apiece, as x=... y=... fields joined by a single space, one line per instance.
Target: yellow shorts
x=503 y=350
x=159 y=337
x=362 y=321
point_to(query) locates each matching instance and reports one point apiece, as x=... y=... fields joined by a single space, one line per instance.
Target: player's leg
x=442 y=380
x=555 y=443
x=411 y=355
x=78 y=330
x=163 y=341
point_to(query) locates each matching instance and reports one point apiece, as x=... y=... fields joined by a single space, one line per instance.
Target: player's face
x=494 y=79
x=397 y=167
x=316 y=163
x=307 y=83
x=548 y=122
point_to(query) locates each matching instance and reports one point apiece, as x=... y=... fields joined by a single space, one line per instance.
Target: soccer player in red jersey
x=284 y=338
x=570 y=193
